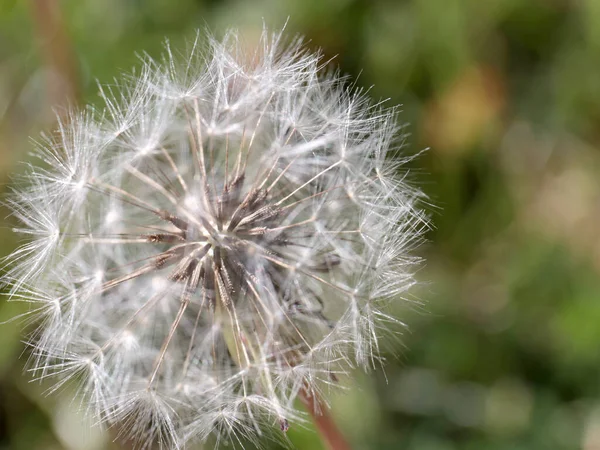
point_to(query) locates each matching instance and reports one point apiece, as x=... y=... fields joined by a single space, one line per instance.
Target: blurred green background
x=504 y=351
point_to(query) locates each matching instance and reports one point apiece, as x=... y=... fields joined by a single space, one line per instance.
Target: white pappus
x=222 y=236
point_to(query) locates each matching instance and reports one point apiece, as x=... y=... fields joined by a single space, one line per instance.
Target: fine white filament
x=222 y=236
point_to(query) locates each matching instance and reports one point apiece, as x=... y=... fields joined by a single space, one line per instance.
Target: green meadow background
x=502 y=351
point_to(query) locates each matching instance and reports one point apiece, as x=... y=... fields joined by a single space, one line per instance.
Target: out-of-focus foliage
x=503 y=346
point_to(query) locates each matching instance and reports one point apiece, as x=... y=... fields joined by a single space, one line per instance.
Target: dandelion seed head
x=223 y=235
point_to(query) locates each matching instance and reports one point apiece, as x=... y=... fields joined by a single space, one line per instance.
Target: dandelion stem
x=57 y=50
x=330 y=433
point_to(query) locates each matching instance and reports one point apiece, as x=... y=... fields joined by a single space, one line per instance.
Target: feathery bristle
x=222 y=236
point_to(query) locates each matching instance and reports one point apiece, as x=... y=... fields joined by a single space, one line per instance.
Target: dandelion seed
x=221 y=238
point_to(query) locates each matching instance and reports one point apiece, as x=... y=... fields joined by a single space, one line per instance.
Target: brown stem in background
x=63 y=86
x=332 y=436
